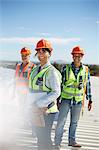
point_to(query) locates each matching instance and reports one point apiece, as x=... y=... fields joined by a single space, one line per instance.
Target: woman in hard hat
x=76 y=83
x=22 y=74
x=44 y=81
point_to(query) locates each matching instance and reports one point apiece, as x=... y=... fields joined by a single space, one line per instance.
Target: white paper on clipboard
x=32 y=97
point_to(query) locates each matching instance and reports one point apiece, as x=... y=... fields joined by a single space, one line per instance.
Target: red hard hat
x=43 y=44
x=25 y=51
x=77 y=50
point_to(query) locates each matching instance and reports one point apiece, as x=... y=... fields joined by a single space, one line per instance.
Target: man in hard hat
x=23 y=70
x=22 y=74
x=45 y=82
x=75 y=84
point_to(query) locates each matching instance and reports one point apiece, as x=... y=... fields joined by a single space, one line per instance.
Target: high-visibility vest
x=22 y=75
x=36 y=85
x=71 y=85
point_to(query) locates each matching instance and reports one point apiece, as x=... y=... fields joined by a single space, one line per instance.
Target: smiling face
x=77 y=59
x=43 y=56
x=25 y=58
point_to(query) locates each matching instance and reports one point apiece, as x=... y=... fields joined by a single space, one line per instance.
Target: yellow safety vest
x=74 y=87
x=34 y=83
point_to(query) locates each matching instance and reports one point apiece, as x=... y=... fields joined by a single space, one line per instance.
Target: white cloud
x=31 y=40
x=64 y=41
x=97 y=21
x=91 y=19
x=43 y=34
x=23 y=28
x=88 y=18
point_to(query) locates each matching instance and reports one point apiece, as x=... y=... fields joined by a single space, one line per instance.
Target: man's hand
x=39 y=110
x=89 y=105
x=44 y=109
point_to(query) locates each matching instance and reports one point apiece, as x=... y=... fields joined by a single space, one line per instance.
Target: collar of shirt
x=73 y=66
x=76 y=70
x=46 y=65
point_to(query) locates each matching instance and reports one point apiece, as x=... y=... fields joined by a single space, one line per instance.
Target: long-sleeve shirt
x=53 y=83
x=76 y=70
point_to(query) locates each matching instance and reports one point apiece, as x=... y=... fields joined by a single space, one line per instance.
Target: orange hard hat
x=25 y=51
x=77 y=50
x=43 y=44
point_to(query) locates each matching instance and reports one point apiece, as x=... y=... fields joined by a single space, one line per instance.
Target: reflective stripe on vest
x=23 y=72
x=22 y=75
x=38 y=83
x=71 y=86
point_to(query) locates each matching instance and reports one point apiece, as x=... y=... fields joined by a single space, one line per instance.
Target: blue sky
x=65 y=23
